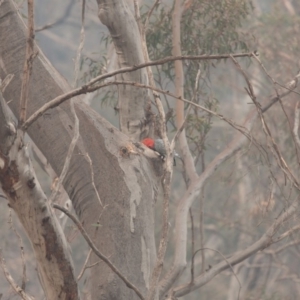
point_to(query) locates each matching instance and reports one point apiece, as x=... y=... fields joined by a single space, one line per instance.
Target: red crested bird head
x=148 y=142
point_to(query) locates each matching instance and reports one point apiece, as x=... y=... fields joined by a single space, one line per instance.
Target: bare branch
x=28 y=63
x=280 y=101
x=29 y=202
x=179 y=130
x=289 y=7
x=185 y=203
x=11 y=281
x=265 y=241
x=296 y=124
x=202 y=231
x=69 y=155
x=80 y=47
x=289 y=87
x=24 y=277
x=84 y=265
x=97 y=252
x=188 y=161
x=280 y=249
x=90 y=88
x=193 y=245
x=60 y=99
x=156 y=3
x=60 y=20
x=85 y=88
x=43 y=162
x=273 y=147
x=226 y=260
x=4 y=83
x=93 y=179
x=287 y=233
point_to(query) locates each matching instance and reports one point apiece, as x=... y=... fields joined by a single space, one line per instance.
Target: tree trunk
x=124 y=183
x=118 y=18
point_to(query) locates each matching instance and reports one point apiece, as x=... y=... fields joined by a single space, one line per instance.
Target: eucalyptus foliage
x=207 y=27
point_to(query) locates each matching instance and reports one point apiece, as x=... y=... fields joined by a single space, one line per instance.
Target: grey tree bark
x=125 y=183
x=118 y=18
x=29 y=202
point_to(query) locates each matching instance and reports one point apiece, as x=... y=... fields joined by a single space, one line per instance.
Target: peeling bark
x=27 y=199
x=125 y=184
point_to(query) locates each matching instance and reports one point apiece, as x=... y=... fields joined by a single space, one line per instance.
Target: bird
x=158 y=146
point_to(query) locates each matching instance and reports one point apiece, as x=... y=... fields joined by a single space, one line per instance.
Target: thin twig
x=28 y=63
x=193 y=243
x=20 y=4
x=179 y=130
x=84 y=267
x=145 y=51
x=24 y=277
x=273 y=147
x=93 y=179
x=202 y=231
x=290 y=88
x=69 y=154
x=287 y=233
x=98 y=222
x=163 y=239
x=287 y=245
x=81 y=44
x=11 y=281
x=182 y=212
x=287 y=88
x=296 y=124
x=227 y=261
x=97 y=252
x=280 y=101
x=46 y=26
x=63 y=18
x=265 y=241
x=149 y=15
x=5 y=82
x=87 y=88
x=60 y=99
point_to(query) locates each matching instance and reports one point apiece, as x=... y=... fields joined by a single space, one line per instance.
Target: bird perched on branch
x=158 y=146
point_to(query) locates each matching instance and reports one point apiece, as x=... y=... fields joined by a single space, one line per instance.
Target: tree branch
x=28 y=63
x=168 y=169
x=20 y=241
x=27 y=199
x=80 y=47
x=179 y=261
x=97 y=252
x=296 y=124
x=91 y=88
x=265 y=241
x=88 y=87
x=68 y=157
x=188 y=161
x=11 y=281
